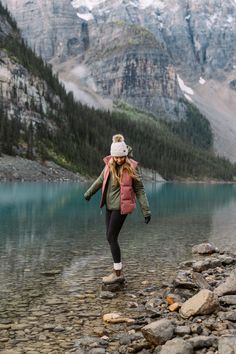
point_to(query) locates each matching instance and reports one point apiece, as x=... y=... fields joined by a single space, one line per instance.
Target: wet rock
x=208 y=263
x=200 y=281
x=226 y=260
x=227 y=345
x=203 y=303
x=203 y=342
x=107 y=295
x=113 y=287
x=228 y=287
x=183 y=280
x=204 y=248
x=158 y=332
x=177 y=346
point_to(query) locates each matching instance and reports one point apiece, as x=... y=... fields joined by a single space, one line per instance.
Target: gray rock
x=228 y=299
x=177 y=346
x=183 y=280
x=200 y=281
x=203 y=341
x=158 y=332
x=208 y=263
x=229 y=315
x=204 y=248
x=203 y=303
x=182 y=330
x=228 y=287
x=227 y=345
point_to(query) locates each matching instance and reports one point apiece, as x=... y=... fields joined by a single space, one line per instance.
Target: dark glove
x=87 y=197
x=147 y=219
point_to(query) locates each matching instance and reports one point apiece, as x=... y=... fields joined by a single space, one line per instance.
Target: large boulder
x=203 y=303
x=177 y=346
x=158 y=332
x=228 y=287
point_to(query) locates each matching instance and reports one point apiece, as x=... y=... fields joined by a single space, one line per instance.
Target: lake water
x=51 y=228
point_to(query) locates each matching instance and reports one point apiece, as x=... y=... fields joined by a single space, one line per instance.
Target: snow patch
x=187 y=90
x=188 y=98
x=202 y=81
x=90 y=4
x=85 y=17
x=143 y=4
x=230 y=19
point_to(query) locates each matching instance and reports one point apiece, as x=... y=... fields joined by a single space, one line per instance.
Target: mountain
x=41 y=121
x=146 y=53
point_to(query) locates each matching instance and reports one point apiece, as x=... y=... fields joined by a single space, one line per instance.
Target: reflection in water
x=45 y=226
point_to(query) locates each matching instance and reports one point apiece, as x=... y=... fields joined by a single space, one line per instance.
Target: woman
x=121 y=182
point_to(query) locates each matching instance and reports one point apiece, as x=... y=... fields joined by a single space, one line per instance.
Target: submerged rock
x=204 y=248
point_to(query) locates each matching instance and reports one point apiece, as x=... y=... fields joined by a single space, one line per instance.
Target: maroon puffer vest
x=127 y=194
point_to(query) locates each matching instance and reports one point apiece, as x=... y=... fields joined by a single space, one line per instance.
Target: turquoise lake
x=48 y=227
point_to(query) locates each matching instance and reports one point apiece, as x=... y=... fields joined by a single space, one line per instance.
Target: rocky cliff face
x=22 y=95
x=51 y=28
x=133 y=50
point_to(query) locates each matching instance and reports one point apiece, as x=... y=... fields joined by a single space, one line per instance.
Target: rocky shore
x=192 y=313
x=18 y=169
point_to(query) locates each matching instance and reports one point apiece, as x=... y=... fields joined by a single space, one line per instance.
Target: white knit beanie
x=118 y=146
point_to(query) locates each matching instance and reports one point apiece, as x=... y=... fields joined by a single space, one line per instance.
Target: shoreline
x=18 y=169
x=193 y=312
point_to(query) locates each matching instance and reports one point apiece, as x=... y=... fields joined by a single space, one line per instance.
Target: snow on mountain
x=183 y=87
x=90 y=4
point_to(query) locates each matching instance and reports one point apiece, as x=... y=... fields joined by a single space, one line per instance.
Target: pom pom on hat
x=118 y=147
x=118 y=138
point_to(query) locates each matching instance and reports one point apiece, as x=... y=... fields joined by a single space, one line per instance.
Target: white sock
x=118 y=266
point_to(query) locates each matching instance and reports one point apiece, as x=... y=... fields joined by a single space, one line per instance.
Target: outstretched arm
x=94 y=187
x=141 y=196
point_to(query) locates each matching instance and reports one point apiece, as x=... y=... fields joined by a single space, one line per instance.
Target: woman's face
x=119 y=160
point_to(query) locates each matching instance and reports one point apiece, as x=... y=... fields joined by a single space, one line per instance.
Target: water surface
x=48 y=227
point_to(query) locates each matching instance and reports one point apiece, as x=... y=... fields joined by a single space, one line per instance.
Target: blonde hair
x=126 y=166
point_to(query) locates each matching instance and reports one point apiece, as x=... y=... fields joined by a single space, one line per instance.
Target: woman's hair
x=117 y=172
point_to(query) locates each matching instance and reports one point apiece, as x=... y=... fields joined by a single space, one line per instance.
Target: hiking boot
x=114 y=278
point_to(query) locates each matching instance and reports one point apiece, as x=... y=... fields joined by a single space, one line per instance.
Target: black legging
x=114 y=222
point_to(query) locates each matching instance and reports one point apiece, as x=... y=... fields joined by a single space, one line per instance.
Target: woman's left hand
x=147 y=219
